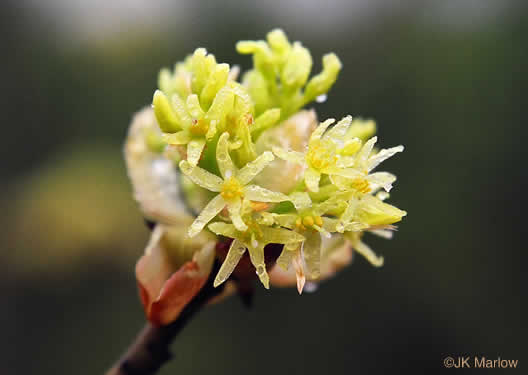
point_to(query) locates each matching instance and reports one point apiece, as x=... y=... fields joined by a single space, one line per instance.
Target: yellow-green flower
x=255 y=237
x=279 y=78
x=321 y=193
x=308 y=221
x=362 y=163
x=192 y=125
x=193 y=102
x=338 y=154
x=367 y=213
x=232 y=187
x=322 y=156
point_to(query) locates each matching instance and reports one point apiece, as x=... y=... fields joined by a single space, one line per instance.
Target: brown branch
x=150 y=350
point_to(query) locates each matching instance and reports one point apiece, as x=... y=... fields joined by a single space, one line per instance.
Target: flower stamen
x=231 y=189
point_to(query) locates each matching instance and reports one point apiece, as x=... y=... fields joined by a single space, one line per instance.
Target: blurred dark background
x=448 y=79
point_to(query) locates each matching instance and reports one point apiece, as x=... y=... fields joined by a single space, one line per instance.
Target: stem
x=150 y=349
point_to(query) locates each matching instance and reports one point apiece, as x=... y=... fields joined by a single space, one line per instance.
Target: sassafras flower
x=205 y=152
x=368 y=213
x=232 y=188
x=307 y=220
x=360 y=164
x=279 y=78
x=193 y=102
x=336 y=253
x=254 y=238
x=322 y=155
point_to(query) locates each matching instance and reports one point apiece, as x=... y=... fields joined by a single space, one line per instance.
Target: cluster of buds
x=218 y=161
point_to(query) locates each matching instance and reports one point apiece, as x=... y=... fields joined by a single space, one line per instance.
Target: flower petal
x=301 y=200
x=348 y=215
x=338 y=131
x=179 y=109
x=201 y=177
x=373 y=211
x=259 y=194
x=312 y=254
x=223 y=229
x=180 y=138
x=278 y=235
x=319 y=131
x=225 y=164
x=193 y=106
x=236 y=250
x=288 y=252
x=382 y=155
x=256 y=255
x=368 y=253
x=335 y=202
x=222 y=104
x=383 y=233
x=381 y=179
x=285 y=220
x=311 y=178
x=234 y=207
x=194 y=150
x=289 y=155
x=343 y=172
x=212 y=209
x=364 y=153
x=251 y=169
x=165 y=115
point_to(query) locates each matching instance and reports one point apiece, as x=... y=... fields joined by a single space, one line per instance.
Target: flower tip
x=263 y=276
x=265 y=281
x=217 y=282
x=331 y=59
x=245 y=47
x=328 y=122
x=300 y=284
x=192 y=232
x=378 y=262
x=277 y=32
x=200 y=51
x=185 y=166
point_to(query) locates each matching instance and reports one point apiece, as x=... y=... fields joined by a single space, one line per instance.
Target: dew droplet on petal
x=260 y=270
x=321 y=98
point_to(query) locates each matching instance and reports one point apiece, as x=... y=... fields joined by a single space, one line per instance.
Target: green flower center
x=231 y=189
x=321 y=155
x=199 y=127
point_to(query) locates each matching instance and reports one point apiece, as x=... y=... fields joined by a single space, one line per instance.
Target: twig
x=150 y=350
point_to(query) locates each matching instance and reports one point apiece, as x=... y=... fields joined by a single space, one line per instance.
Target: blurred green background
x=448 y=79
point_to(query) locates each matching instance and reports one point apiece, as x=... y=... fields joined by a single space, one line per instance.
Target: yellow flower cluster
x=210 y=125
